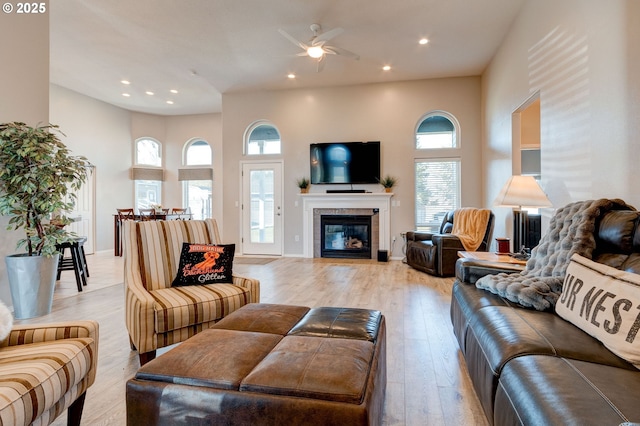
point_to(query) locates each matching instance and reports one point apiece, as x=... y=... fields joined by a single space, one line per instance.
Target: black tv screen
x=345 y=162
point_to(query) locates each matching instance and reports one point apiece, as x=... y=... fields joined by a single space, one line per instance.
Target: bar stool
x=77 y=262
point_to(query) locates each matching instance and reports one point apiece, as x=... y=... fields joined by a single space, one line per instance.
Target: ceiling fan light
x=315 y=52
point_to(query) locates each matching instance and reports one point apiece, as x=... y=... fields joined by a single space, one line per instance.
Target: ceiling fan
x=317 y=48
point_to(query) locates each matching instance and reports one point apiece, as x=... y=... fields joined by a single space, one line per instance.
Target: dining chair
x=123 y=215
x=147 y=214
x=178 y=210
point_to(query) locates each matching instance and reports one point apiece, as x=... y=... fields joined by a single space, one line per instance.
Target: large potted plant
x=38 y=181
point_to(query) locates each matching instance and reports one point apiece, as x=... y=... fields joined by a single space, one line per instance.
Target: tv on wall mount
x=345 y=163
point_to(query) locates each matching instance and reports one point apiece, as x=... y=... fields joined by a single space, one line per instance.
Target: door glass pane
x=262 y=206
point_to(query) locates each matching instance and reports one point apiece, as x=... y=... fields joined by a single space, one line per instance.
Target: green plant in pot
x=388 y=182
x=304 y=184
x=38 y=181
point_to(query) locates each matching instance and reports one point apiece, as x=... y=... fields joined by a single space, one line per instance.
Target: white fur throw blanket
x=571 y=231
x=6 y=321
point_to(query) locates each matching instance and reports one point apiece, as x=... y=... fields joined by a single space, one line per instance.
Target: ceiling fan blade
x=342 y=52
x=328 y=35
x=320 y=63
x=292 y=39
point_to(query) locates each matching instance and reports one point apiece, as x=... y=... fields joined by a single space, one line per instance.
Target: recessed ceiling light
x=125 y=82
x=423 y=41
x=386 y=67
x=126 y=95
x=150 y=93
x=173 y=91
x=170 y=102
x=291 y=76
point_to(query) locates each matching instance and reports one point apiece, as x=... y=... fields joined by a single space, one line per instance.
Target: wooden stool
x=77 y=262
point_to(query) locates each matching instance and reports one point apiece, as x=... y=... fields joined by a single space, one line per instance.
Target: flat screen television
x=345 y=162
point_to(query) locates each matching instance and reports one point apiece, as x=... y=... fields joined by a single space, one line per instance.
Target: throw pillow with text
x=205 y=264
x=604 y=302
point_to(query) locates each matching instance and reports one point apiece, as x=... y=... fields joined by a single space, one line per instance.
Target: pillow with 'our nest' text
x=604 y=302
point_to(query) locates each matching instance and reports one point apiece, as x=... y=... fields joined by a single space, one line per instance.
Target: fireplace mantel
x=369 y=200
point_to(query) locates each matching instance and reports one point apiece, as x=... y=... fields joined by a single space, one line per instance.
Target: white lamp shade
x=522 y=191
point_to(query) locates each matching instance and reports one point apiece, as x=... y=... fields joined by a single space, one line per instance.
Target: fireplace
x=345 y=236
x=377 y=205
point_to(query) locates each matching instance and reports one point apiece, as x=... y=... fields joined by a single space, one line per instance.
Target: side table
x=490 y=256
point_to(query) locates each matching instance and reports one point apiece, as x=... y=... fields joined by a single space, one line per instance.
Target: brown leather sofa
x=532 y=367
x=436 y=254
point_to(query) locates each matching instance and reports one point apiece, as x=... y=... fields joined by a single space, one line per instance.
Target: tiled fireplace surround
x=366 y=204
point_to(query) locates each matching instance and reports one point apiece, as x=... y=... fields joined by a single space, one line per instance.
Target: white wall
x=388 y=112
x=102 y=133
x=582 y=56
x=24 y=95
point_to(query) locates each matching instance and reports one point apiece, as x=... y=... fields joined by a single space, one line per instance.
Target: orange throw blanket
x=470 y=225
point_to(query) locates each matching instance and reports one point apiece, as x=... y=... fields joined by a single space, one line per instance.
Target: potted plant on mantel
x=388 y=182
x=304 y=184
x=38 y=181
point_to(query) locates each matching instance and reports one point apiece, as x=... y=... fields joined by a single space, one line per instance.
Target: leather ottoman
x=269 y=365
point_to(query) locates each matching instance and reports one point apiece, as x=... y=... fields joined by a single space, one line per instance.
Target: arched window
x=148 y=152
x=262 y=138
x=437 y=129
x=197 y=153
x=437 y=172
x=197 y=178
x=147 y=173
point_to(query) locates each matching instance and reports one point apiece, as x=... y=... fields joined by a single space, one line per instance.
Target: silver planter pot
x=32 y=280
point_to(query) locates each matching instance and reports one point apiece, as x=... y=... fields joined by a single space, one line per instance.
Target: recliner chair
x=436 y=254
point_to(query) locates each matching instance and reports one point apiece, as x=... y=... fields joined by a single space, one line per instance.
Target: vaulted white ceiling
x=203 y=48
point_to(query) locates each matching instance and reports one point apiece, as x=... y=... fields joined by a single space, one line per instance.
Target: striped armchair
x=158 y=315
x=46 y=369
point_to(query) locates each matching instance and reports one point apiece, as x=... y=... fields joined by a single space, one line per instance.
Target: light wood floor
x=427 y=382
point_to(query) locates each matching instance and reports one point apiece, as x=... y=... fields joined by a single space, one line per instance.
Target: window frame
x=435 y=225
x=204 y=167
x=457 y=135
x=247 y=137
x=136 y=159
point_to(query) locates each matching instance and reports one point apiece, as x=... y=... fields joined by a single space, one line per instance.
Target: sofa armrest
x=470 y=270
x=51 y=332
x=448 y=242
x=251 y=284
x=419 y=236
x=38 y=333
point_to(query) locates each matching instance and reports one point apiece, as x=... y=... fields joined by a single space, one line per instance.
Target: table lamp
x=519 y=192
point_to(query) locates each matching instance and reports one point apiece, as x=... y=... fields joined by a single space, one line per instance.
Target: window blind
x=147 y=173
x=195 y=173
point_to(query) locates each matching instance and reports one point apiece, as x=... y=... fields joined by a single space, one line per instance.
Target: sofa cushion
x=263 y=318
x=325 y=368
x=348 y=323
x=213 y=358
x=178 y=307
x=604 y=302
x=544 y=390
x=33 y=377
x=205 y=264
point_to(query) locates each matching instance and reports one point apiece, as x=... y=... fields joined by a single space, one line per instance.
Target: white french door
x=262 y=208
